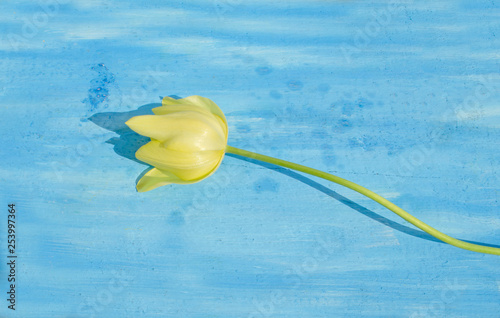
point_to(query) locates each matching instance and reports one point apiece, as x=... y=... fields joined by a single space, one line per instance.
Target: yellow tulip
x=188 y=141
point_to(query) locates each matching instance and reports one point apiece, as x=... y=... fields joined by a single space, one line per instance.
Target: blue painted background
x=401 y=97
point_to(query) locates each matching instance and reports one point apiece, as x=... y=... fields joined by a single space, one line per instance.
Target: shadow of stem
x=353 y=205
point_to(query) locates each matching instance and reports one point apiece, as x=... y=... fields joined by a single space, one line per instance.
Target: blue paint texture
x=99 y=91
x=402 y=97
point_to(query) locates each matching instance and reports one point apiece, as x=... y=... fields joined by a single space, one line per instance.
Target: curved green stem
x=370 y=194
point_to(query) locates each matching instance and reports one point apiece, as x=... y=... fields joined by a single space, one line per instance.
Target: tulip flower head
x=188 y=141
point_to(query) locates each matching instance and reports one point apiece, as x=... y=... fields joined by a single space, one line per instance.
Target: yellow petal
x=196 y=100
x=153 y=179
x=187 y=165
x=184 y=131
x=164 y=110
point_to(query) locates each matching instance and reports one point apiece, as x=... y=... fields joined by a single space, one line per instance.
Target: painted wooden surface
x=399 y=96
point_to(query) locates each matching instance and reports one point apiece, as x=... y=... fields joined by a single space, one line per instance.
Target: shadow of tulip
x=353 y=205
x=128 y=141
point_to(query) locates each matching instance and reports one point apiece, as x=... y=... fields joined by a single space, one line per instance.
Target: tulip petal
x=196 y=100
x=164 y=110
x=156 y=178
x=153 y=179
x=184 y=131
x=187 y=165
